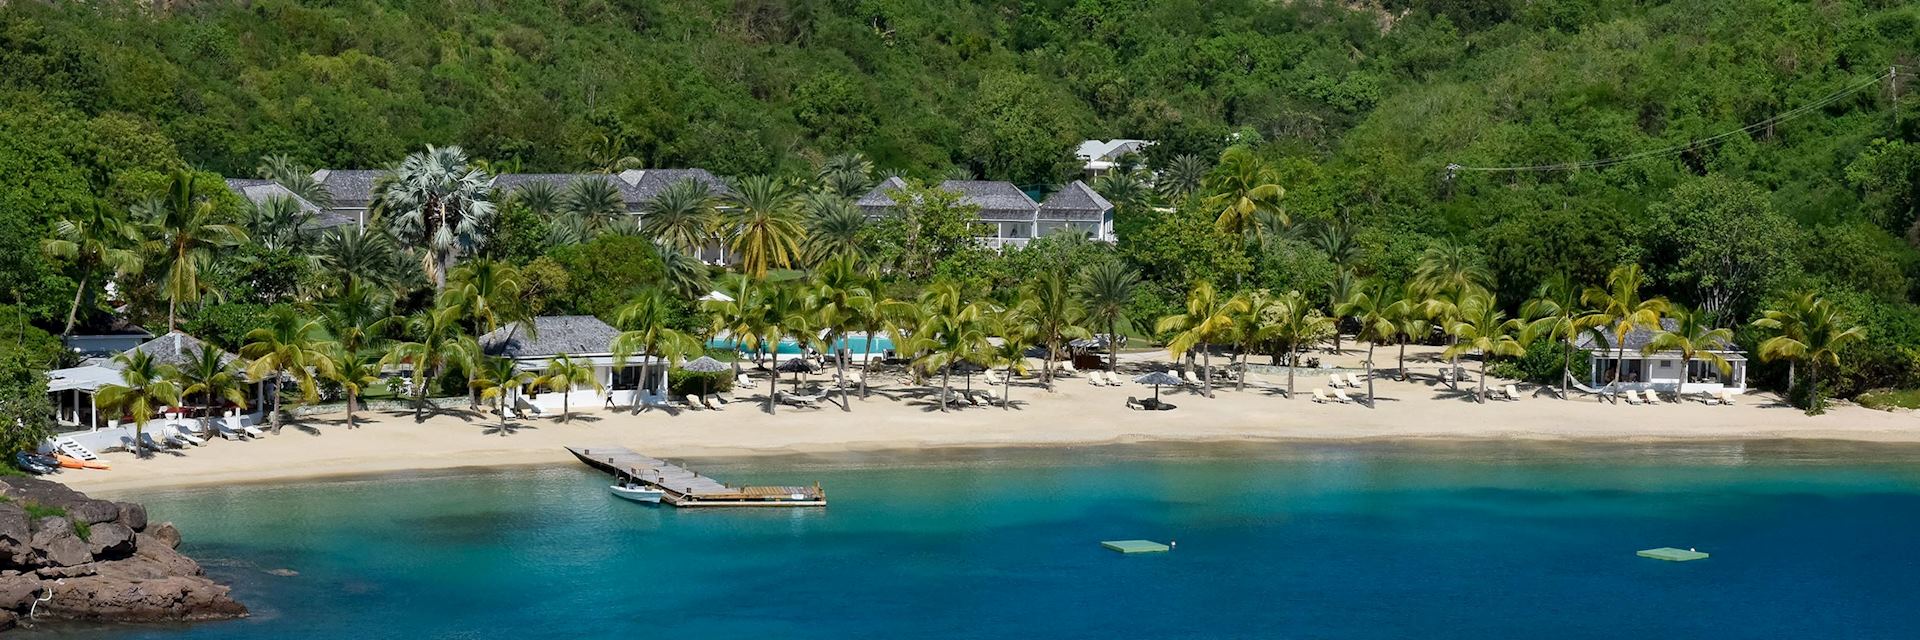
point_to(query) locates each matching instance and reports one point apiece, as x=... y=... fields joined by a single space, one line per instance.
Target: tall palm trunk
x=1401 y=373
x=350 y=407
x=274 y=388
x=1006 y=391
x=1052 y=354
x=1241 y=384
x=840 y=357
x=1370 y=346
x=1293 y=358
x=501 y=407
x=866 y=363
x=1566 y=370
x=773 y=385
x=1454 y=364
x=946 y=386
x=79 y=292
x=1206 y=369
x=1113 y=348
x=1483 y=377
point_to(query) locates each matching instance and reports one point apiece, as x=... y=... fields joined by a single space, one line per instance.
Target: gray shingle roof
x=259 y=191
x=512 y=181
x=174 y=348
x=551 y=336
x=997 y=200
x=1637 y=339
x=1075 y=202
x=349 y=188
x=640 y=186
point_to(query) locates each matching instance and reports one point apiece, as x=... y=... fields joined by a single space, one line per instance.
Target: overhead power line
x=1891 y=74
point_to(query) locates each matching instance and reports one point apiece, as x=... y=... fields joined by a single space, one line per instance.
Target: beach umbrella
x=1156 y=379
x=705 y=364
x=795 y=366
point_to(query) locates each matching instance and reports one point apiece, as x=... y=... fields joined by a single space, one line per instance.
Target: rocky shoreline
x=67 y=557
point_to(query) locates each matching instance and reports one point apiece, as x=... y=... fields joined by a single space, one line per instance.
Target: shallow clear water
x=1275 y=541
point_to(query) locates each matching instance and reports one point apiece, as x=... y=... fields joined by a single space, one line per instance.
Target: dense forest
x=1355 y=109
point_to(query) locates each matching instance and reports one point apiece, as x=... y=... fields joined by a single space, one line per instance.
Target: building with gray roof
x=1662 y=370
x=1012 y=216
x=587 y=341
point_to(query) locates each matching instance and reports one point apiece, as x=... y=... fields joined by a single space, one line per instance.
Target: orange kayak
x=71 y=462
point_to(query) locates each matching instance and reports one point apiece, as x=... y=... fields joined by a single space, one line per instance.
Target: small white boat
x=636 y=493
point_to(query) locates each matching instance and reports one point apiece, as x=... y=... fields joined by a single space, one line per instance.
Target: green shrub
x=681 y=382
x=37 y=511
x=1542 y=363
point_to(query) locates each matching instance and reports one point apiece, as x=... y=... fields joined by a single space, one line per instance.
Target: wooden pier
x=682 y=487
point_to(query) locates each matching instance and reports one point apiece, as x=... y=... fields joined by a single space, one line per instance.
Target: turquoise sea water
x=1274 y=541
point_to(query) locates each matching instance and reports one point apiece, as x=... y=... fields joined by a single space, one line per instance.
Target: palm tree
x=1297 y=322
x=210 y=374
x=1053 y=316
x=1207 y=319
x=646 y=329
x=1182 y=176
x=1340 y=290
x=490 y=293
x=1372 y=305
x=1411 y=322
x=1695 y=339
x=1481 y=327
x=834 y=228
x=93 y=236
x=1128 y=191
x=357 y=258
x=354 y=371
x=1557 y=314
x=495 y=378
x=539 y=198
x=761 y=226
x=846 y=175
x=1450 y=268
x=358 y=319
x=1620 y=309
x=296 y=177
x=287 y=346
x=1105 y=290
x=1814 y=330
x=183 y=231
x=278 y=223
x=432 y=340
x=1249 y=330
x=145 y=388
x=682 y=216
x=562 y=375
x=438 y=202
x=1244 y=190
x=595 y=203
x=837 y=295
x=1788 y=323
x=1011 y=351
x=741 y=318
x=950 y=332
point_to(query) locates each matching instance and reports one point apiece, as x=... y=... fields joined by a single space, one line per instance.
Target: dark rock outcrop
x=97 y=561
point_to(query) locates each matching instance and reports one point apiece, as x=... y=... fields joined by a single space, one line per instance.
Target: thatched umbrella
x=705 y=364
x=1156 y=379
x=795 y=366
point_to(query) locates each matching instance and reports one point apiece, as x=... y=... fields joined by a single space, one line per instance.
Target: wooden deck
x=683 y=487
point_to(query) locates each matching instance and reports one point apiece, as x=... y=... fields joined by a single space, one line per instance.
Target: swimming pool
x=855 y=344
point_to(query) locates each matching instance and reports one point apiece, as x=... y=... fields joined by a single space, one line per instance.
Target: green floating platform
x=1671 y=554
x=1134 y=546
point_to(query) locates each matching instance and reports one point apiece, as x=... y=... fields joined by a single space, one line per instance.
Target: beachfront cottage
x=586 y=340
x=1008 y=217
x=1659 y=370
x=1077 y=208
x=79 y=418
x=1102 y=156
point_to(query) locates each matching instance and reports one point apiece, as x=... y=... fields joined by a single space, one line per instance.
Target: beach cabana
x=77 y=414
x=1660 y=370
x=585 y=340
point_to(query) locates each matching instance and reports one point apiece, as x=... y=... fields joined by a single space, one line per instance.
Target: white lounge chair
x=713 y=401
x=188 y=437
x=743 y=381
x=1341 y=395
x=1708 y=398
x=1190 y=378
x=1631 y=396
x=1096 y=379
x=693 y=402
x=1512 y=393
x=1067 y=369
x=992 y=376
x=1727 y=397
x=991 y=399
x=1651 y=398
x=1320 y=397
x=1113 y=379
x=151 y=443
x=1335 y=382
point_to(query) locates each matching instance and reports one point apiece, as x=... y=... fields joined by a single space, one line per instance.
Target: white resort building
x=79 y=418
x=1009 y=214
x=585 y=340
x=1660 y=370
x=1102 y=156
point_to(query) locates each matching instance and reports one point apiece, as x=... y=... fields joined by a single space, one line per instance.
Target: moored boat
x=637 y=492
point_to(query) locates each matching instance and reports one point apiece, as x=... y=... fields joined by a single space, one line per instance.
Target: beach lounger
x=1630 y=396
x=1726 y=397
x=988 y=395
x=1651 y=398
x=1707 y=397
x=1190 y=378
x=153 y=444
x=743 y=381
x=693 y=402
x=714 y=401
x=1094 y=379
x=1134 y=404
x=1322 y=397
x=1114 y=380
x=992 y=376
x=1341 y=395
x=187 y=436
x=1512 y=393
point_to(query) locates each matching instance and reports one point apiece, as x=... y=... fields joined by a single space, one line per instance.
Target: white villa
x=1102 y=156
x=1660 y=370
x=585 y=340
x=1014 y=217
x=79 y=418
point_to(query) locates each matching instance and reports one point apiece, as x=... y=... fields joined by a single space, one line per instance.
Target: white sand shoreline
x=897 y=418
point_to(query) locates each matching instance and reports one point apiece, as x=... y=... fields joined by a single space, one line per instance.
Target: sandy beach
x=897 y=415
